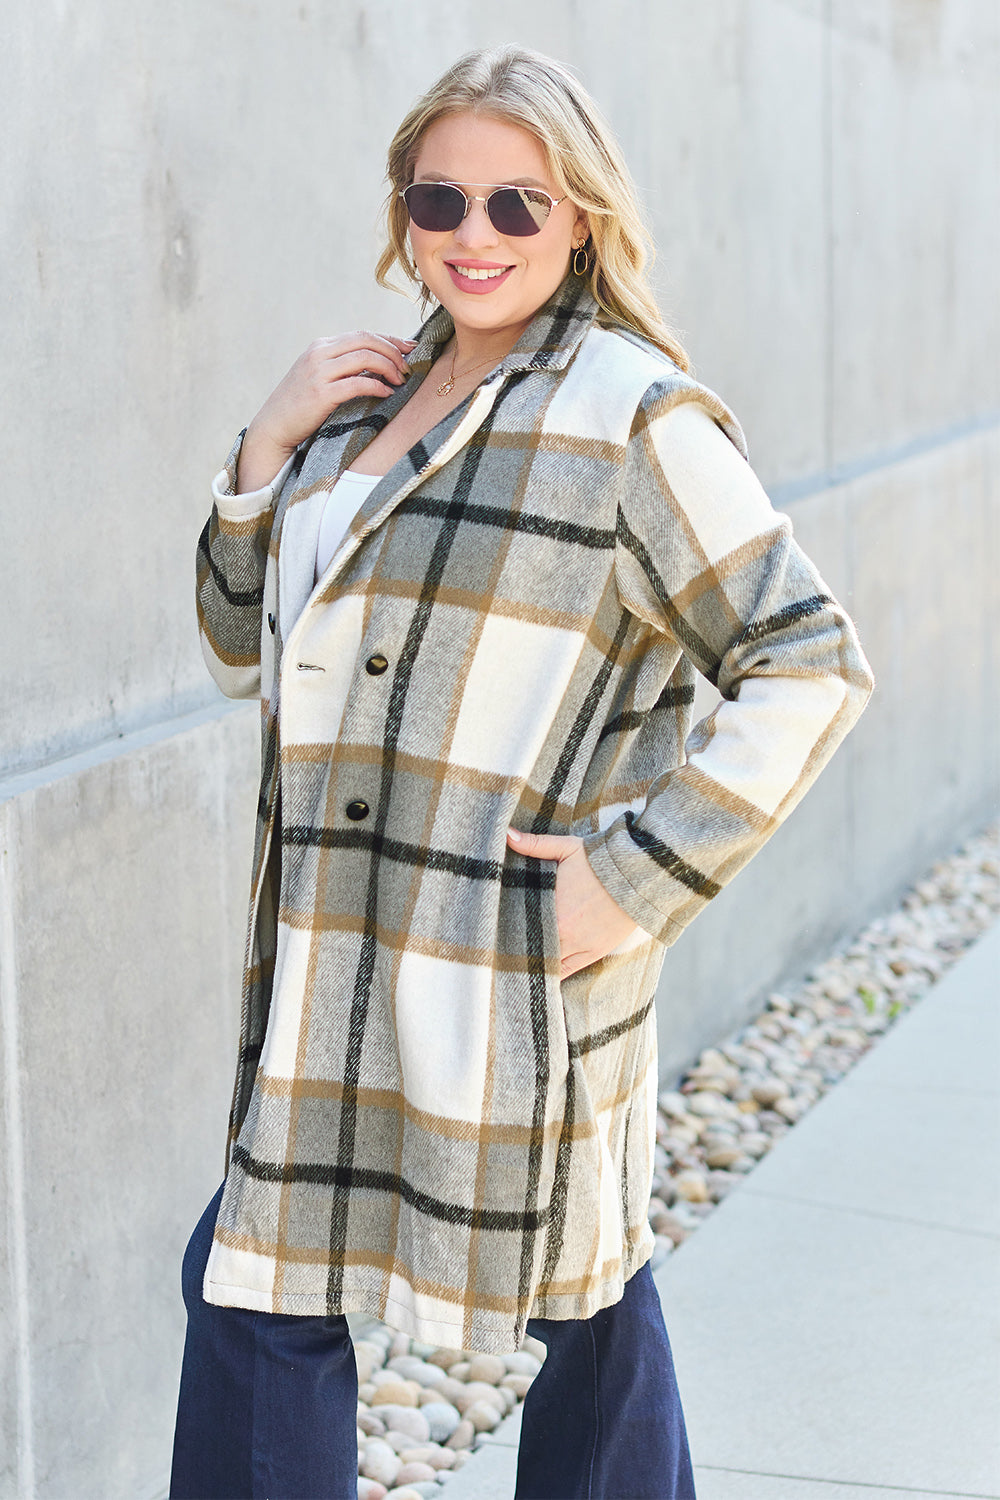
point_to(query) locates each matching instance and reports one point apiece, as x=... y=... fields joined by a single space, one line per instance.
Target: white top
x=343 y=502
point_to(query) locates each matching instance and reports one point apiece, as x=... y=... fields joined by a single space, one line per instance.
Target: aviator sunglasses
x=441 y=206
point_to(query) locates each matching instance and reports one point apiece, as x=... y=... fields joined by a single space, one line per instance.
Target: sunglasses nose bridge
x=478 y=225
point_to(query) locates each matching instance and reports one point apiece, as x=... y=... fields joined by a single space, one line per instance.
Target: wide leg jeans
x=268 y=1402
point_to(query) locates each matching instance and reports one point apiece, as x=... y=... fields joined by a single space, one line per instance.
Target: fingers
x=373 y=345
x=543 y=845
x=332 y=366
x=571 y=963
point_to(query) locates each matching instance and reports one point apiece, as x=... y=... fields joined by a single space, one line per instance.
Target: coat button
x=376 y=665
x=270 y=623
x=356 y=811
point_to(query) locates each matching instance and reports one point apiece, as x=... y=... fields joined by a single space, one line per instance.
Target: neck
x=473 y=346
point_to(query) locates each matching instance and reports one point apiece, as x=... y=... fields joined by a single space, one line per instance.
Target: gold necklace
x=449 y=385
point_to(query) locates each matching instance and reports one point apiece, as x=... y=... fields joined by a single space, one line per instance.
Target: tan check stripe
x=426 y=1125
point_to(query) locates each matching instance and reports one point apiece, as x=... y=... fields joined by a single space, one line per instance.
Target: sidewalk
x=836 y=1321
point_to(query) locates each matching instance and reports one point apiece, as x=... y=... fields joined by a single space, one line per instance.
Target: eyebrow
x=508 y=182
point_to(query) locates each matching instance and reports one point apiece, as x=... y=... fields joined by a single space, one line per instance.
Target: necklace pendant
x=449 y=385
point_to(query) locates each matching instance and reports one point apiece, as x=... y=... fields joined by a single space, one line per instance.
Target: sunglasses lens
x=440 y=207
x=435 y=206
x=518 y=211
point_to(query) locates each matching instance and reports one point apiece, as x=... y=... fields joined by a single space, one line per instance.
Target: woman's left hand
x=591 y=923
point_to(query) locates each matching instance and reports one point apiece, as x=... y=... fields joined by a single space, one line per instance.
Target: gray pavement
x=836 y=1321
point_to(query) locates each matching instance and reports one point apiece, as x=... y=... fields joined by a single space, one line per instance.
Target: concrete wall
x=187 y=197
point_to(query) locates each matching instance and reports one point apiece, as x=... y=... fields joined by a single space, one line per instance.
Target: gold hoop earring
x=578 y=269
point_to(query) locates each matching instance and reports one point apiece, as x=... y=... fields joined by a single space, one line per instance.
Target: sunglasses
x=441 y=207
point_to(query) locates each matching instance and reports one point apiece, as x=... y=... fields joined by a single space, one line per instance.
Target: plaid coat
x=427 y=1126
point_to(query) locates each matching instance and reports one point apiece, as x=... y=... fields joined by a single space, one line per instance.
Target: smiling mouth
x=479 y=273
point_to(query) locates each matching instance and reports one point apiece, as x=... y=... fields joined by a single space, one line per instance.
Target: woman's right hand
x=330 y=372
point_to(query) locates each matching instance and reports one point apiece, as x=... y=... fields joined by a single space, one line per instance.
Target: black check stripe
x=510 y=877
x=368 y=1179
x=669 y=860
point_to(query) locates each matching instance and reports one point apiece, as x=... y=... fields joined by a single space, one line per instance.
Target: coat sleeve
x=702 y=555
x=232 y=558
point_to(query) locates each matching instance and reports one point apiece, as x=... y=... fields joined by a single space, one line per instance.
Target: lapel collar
x=546 y=345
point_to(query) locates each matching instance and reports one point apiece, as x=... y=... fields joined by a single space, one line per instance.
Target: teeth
x=477 y=273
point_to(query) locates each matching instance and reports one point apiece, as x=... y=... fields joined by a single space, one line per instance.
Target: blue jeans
x=267 y=1403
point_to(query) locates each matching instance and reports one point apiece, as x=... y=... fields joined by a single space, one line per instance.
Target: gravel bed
x=421 y=1410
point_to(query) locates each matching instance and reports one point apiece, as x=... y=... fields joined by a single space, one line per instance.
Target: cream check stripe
x=426 y=1124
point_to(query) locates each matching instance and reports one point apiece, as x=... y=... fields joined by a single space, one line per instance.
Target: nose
x=477 y=227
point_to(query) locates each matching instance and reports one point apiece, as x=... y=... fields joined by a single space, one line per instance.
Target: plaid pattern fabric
x=427 y=1126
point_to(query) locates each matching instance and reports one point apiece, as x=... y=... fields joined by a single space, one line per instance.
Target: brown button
x=356 y=811
x=376 y=665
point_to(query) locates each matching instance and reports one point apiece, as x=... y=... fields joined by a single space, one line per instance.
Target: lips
x=478 y=277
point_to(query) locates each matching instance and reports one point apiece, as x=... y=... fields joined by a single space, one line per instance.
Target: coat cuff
x=252 y=503
x=623 y=892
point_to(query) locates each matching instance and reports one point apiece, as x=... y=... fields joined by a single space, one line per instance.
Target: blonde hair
x=527 y=89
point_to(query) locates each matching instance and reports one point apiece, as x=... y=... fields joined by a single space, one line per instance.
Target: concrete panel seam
x=829 y=308
x=788 y=491
x=16 y=1217
x=120 y=745
x=859 y=1486
x=853 y=1211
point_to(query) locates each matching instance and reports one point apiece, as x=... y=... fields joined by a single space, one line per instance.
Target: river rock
x=478 y=1390
x=719 y=1184
x=672 y=1225
x=768 y=1093
x=522 y=1363
x=723 y=1156
x=407 y=1420
x=370 y=1424
x=368 y=1358
x=442 y=1418
x=394 y=1393
x=415 y=1473
x=430 y=1453
x=483 y=1415
x=380 y=1461
x=428 y=1395
x=450 y=1390
x=411 y=1368
x=370 y=1489
x=756 y=1143
x=673 y=1105
x=691 y=1186
x=519 y=1385
x=463 y=1437
x=445 y=1358
x=487 y=1367
x=706 y=1104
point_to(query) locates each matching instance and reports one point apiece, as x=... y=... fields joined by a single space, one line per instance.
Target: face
x=477 y=152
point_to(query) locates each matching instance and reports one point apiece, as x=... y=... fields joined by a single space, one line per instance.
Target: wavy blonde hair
x=543 y=97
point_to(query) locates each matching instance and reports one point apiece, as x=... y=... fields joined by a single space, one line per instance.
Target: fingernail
x=513 y=834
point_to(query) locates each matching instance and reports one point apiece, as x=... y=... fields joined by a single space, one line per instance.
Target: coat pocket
x=531 y=1046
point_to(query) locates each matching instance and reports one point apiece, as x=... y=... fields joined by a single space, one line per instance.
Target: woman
x=471 y=577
